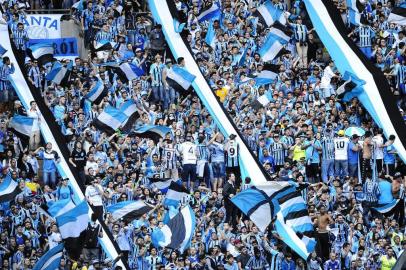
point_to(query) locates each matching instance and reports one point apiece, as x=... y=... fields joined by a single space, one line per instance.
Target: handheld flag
x=21 y=126
x=268 y=14
x=155 y=132
x=73 y=222
x=129 y=108
x=8 y=189
x=277 y=37
x=50 y=260
x=59 y=74
x=179 y=79
x=43 y=52
x=210 y=38
x=178 y=233
x=97 y=92
x=262 y=101
x=398 y=16
x=211 y=13
x=110 y=119
x=128 y=210
x=161 y=184
x=175 y=195
x=105 y=46
x=60 y=207
x=350 y=88
x=129 y=71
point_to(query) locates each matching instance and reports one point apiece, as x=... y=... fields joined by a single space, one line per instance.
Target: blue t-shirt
x=389 y=158
x=49 y=160
x=312 y=153
x=352 y=155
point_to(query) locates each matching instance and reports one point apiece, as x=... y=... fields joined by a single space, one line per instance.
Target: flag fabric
x=268 y=14
x=105 y=46
x=155 y=132
x=243 y=56
x=128 y=210
x=129 y=108
x=73 y=222
x=210 y=38
x=211 y=13
x=78 y=5
x=355 y=12
x=43 y=52
x=350 y=88
x=387 y=207
x=177 y=234
x=354 y=17
x=398 y=16
x=21 y=126
x=50 y=260
x=176 y=195
x=8 y=189
x=110 y=119
x=129 y=71
x=179 y=78
x=2 y=51
x=178 y=26
x=277 y=37
x=97 y=92
x=262 y=101
x=260 y=203
x=60 y=207
x=160 y=184
x=59 y=73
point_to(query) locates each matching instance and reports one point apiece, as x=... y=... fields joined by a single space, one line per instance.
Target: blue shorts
x=219 y=169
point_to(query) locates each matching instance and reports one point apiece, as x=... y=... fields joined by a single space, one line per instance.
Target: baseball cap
x=355 y=136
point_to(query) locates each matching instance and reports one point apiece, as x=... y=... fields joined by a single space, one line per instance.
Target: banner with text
x=43 y=26
x=63 y=47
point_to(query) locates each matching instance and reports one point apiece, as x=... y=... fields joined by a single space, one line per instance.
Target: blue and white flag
x=386 y=201
x=387 y=207
x=154 y=132
x=176 y=195
x=60 y=207
x=50 y=260
x=179 y=78
x=260 y=203
x=212 y=13
x=59 y=73
x=43 y=52
x=105 y=45
x=210 y=38
x=243 y=56
x=354 y=17
x=73 y=222
x=128 y=210
x=110 y=119
x=129 y=108
x=268 y=14
x=97 y=92
x=161 y=184
x=2 y=51
x=78 y=5
x=129 y=71
x=178 y=232
x=21 y=125
x=8 y=189
x=277 y=37
x=178 y=26
x=262 y=101
x=350 y=88
x=398 y=16
x=355 y=10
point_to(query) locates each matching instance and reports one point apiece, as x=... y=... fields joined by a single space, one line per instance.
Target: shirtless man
x=366 y=155
x=323 y=249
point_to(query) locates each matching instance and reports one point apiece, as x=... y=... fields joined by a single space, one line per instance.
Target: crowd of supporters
x=298 y=136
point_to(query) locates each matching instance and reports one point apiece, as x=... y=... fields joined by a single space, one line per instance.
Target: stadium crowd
x=299 y=135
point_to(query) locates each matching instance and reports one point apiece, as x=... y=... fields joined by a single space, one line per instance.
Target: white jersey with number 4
x=189 y=153
x=341 y=148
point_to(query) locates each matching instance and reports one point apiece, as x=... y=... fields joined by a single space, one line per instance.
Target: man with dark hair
x=91 y=244
x=5 y=86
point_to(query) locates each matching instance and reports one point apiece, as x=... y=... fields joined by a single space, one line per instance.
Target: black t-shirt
x=79 y=158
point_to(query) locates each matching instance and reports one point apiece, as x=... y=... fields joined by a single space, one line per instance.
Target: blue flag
x=50 y=260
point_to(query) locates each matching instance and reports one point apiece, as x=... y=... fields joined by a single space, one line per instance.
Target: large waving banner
x=43 y=26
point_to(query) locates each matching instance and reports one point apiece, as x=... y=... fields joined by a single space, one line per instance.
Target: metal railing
x=48 y=11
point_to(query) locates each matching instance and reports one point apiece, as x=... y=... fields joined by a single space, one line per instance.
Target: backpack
x=91 y=236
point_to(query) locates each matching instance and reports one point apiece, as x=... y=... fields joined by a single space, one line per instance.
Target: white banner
x=43 y=26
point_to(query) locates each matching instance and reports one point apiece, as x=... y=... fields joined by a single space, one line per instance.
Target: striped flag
x=129 y=108
x=105 y=46
x=60 y=207
x=268 y=14
x=355 y=12
x=243 y=56
x=176 y=195
x=178 y=26
x=43 y=52
x=97 y=92
x=73 y=222
x=128 y=72
x=178 y=232
x=161 y=184
x=8 y=189
x=21 y=126
x=350 y=88
x=78 y=5
x=387 y=207
x=50 y=260
x=260 y=203
x=110 y=119
x=59 y=74
x=211 y=13
x=2 y=51
x=262 y=101
x=179 y=79
x=210 y=38
x=155 y=132
x=128 y=210
x=277 y=37
x=398 y=16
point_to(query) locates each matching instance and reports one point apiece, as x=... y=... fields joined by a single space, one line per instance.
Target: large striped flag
x=211 y=13
x=398 y=16
x=8 y=189
x=260 y=203
x=21 y=126
x=179 y=78
x=128 y=72
x=97 y=92
x=43 y=52
x=50 y=260
x=128 y=210
x=155 y=132
x=129 y=108
x=178 y=232
x=176 y=195
x=268 y=14
x=59 y=73
x=277 y=37
x=110 y=119
x=60 y=207
x=74 y=221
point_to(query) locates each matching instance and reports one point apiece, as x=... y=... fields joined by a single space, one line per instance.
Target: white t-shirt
x=36 y=115
x=378 y=142
x=189 y=153
x=93 y=195
x=54 y=239
x=326 y=79
x=341 y=148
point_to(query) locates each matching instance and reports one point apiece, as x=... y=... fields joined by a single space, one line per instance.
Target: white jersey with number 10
x=341 y=148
